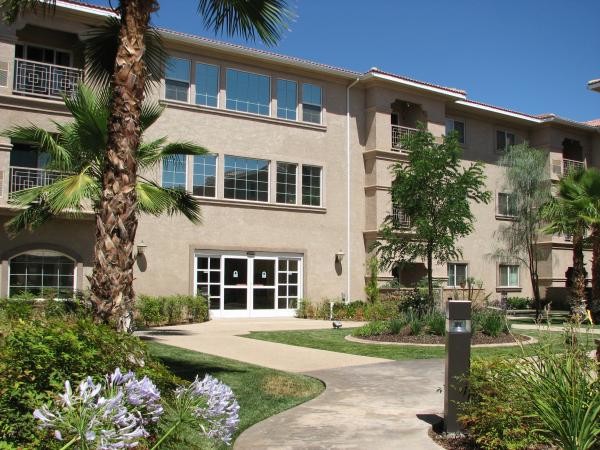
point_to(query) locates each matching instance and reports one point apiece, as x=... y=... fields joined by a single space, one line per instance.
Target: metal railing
x=399 y=132
x=22 y=178
x=400 y=218
x=570 y=165
x=46 y=80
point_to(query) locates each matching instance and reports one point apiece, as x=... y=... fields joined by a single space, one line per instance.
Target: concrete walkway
x=369 y=403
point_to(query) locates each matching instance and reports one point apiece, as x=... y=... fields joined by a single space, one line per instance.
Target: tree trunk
x=595 y=300
x=535 y=282
x=116 y=220
x=430 y=277
x=577 y=292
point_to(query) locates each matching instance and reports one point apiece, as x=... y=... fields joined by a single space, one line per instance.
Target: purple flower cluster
x=112 y=415
x=215 y=404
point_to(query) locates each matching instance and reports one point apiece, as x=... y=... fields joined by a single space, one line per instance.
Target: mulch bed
x=477 y=338
x=466 y=442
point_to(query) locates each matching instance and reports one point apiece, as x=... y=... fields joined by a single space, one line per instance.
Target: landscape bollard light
x=458 y=361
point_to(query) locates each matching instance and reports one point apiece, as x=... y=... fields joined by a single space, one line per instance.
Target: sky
x=534 y=56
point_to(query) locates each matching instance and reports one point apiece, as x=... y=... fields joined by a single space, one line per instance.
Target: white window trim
x=321 y=186
x=189 y=81
x=461 y=120
x=454 y=264
x=42 y=249
x=270 y=114
x=295 y=187
x=187 y=172
x=259 y=202
x=47 y=47
x=301 y=101
x=506 y=133
x=500 y=285
x=195 y=66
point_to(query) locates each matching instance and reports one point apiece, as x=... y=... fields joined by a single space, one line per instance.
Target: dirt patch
x=476 y=339
x=282 y=386
x=466 y=442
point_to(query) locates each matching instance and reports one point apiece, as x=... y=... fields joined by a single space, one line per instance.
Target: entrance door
x=235 y=284
x=263 y=284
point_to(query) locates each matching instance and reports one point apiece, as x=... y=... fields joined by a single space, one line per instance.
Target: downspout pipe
x=348 y=195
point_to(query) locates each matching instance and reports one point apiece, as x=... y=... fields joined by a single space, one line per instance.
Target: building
x=297 y=184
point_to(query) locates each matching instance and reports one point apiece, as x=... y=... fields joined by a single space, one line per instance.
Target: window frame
x=162 y=167
x=321 y=186
x=25 y=46
x=296 y=167
x=321 y=106
x=189 y=80
x=30 y=251
x=195 y=71
x=499 y=203
x=454 y=265
x=216 y=156
x=453 y=121
x=508 y=266
x=506 y=133
x=296 y=119
x=269 y=90
x=268 y=200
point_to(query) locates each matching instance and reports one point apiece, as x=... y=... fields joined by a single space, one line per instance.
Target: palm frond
x=266 y=18
x=28 y=219
x=44 y=140
x=151 y=111
x=157 y=200
x=100 y=49
x=72 y=192
x=11 y=9
x=153 y=152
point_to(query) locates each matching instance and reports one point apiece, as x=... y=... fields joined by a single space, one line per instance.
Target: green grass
x=261 y=392
x=334 y=340
x=553 y=320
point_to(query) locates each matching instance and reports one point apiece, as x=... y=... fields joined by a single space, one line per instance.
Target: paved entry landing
x=369 y=403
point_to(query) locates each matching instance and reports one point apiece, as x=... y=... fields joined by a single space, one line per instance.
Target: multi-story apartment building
x=297 y=183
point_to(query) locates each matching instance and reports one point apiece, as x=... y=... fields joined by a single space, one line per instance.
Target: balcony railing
x=401 y=220
x=570 y=165
x=46 y=80
x=398 y=133
x=22 y=178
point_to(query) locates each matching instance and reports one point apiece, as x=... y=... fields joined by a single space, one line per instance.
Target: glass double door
x=248 y=283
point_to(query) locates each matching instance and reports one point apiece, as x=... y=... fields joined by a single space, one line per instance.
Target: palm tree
x=112 y=276
x=563 y=214
x=77 y=150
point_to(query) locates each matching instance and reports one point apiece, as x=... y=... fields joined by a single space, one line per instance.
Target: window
x=174 y=171
x=311 y=103
x=311 y=185
x=457 y=274
x=177 y=79
x=43 y=55
x=287 y=98
x=207 y=84
x=208 y=279
x=509 y=275
x=507 y=205
x=248 y=92
x=504 y=140
x=458 y=126
x=288 y=290
x=42 y=271
x=205 y=175
x=286 y=183
x=246 y=179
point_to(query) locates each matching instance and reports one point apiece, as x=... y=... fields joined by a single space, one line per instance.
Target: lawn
x=334 y=340
x=261 y=392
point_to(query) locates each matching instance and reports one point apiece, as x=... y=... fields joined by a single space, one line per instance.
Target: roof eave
x=501 y=112
x=414 y=84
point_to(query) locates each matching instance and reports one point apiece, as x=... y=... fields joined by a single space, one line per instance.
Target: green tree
x=77 y=150
x=112 y=278
x=564 y=214
x=527 y=179
x=435 y=190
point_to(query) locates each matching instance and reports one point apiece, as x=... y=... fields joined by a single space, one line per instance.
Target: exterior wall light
x=339 y=256
x=141 y=248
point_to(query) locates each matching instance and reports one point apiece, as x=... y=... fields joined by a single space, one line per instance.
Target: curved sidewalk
x=369 y=403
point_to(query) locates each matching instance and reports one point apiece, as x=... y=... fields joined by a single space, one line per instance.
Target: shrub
x=36 y=357
x=197 y=308
x=381 y=311
x=171 y=310
x=150 y=310
x=372 y=286
x=304 y=309
x=415 y=301
x=518 y=302
x=435 y=322
x=375 y=328
x=491 y=322
x=415 y=324
x=396 y=326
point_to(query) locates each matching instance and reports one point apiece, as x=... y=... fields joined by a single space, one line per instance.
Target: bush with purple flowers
x=125 y=411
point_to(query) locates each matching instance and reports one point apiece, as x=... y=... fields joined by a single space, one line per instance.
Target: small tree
x=434 y=190
x=372 y=287
x=527 y=178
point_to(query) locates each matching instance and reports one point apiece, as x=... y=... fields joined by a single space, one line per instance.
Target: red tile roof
x=594 y=123
x=402 y=77
x=89 y=5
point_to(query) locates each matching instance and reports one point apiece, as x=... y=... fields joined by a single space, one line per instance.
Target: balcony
x=562 y=167
x=22 y=178
x=400 y=218
x=398 y=133
x=45 y=80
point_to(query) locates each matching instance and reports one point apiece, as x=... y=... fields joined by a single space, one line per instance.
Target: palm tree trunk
x=595 y=300
x=116 y=220
x=578 y=277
